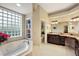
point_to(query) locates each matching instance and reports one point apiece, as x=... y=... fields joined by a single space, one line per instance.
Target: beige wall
x=44 y=18
x=66 y=17
x=36 y=25
x=39 y=14
x=75 y=30
x=59 y=27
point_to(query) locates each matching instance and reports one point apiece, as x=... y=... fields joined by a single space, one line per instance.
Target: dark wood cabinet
x=62 y=40
x=55 y=39
x=69 y=41
x=77 y=48
x=77 y=52
x=65 y=41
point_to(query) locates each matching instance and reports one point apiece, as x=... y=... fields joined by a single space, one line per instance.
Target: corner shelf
x=28 y=27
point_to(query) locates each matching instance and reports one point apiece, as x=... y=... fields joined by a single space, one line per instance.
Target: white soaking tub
x=15 y=48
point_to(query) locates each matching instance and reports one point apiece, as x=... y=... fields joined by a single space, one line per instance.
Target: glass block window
x=10 y=22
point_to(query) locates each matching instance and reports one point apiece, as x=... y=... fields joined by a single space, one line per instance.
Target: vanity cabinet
x=77 y=48
x=62 y=41
x=69 y=41
x=65 y=41
x=55 y=39
x=77 y=52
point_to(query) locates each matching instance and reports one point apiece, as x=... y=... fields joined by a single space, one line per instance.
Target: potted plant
x=3 y=37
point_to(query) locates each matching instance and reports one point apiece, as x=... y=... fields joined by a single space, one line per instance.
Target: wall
x=36 y=25
x=39 y=14
x=75 y=26
x=57 y=30
x=44 y=18
x=66 y=17
x=59 y=27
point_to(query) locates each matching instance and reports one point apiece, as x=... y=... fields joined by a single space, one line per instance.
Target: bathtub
x=15 y=48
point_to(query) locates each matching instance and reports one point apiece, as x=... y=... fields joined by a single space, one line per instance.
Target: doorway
x=42 y=31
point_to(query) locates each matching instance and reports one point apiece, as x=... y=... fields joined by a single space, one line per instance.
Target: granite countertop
x=67 y=34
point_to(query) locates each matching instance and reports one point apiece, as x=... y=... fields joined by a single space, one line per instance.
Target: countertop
x=67 y=34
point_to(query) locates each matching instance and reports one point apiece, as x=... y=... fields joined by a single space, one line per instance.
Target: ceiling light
x=18 y=4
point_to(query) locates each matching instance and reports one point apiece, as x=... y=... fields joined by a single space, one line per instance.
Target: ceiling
x=25 y=8
x=55 y=7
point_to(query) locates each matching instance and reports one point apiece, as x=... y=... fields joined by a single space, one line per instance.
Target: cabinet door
x=54 y=39
x=49 y=39
x=77 y=48
x=77 y=52
x=70 y=42
x=62 y=40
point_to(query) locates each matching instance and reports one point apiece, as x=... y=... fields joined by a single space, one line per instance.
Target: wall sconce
x=54 y=27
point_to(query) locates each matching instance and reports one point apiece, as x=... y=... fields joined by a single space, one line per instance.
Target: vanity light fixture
x=18 y=4
x=76 y=18
x=55 y=23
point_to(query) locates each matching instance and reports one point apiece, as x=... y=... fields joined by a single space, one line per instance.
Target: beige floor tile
x=52 y=50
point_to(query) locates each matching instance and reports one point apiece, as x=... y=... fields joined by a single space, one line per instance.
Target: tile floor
x=52 y=50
